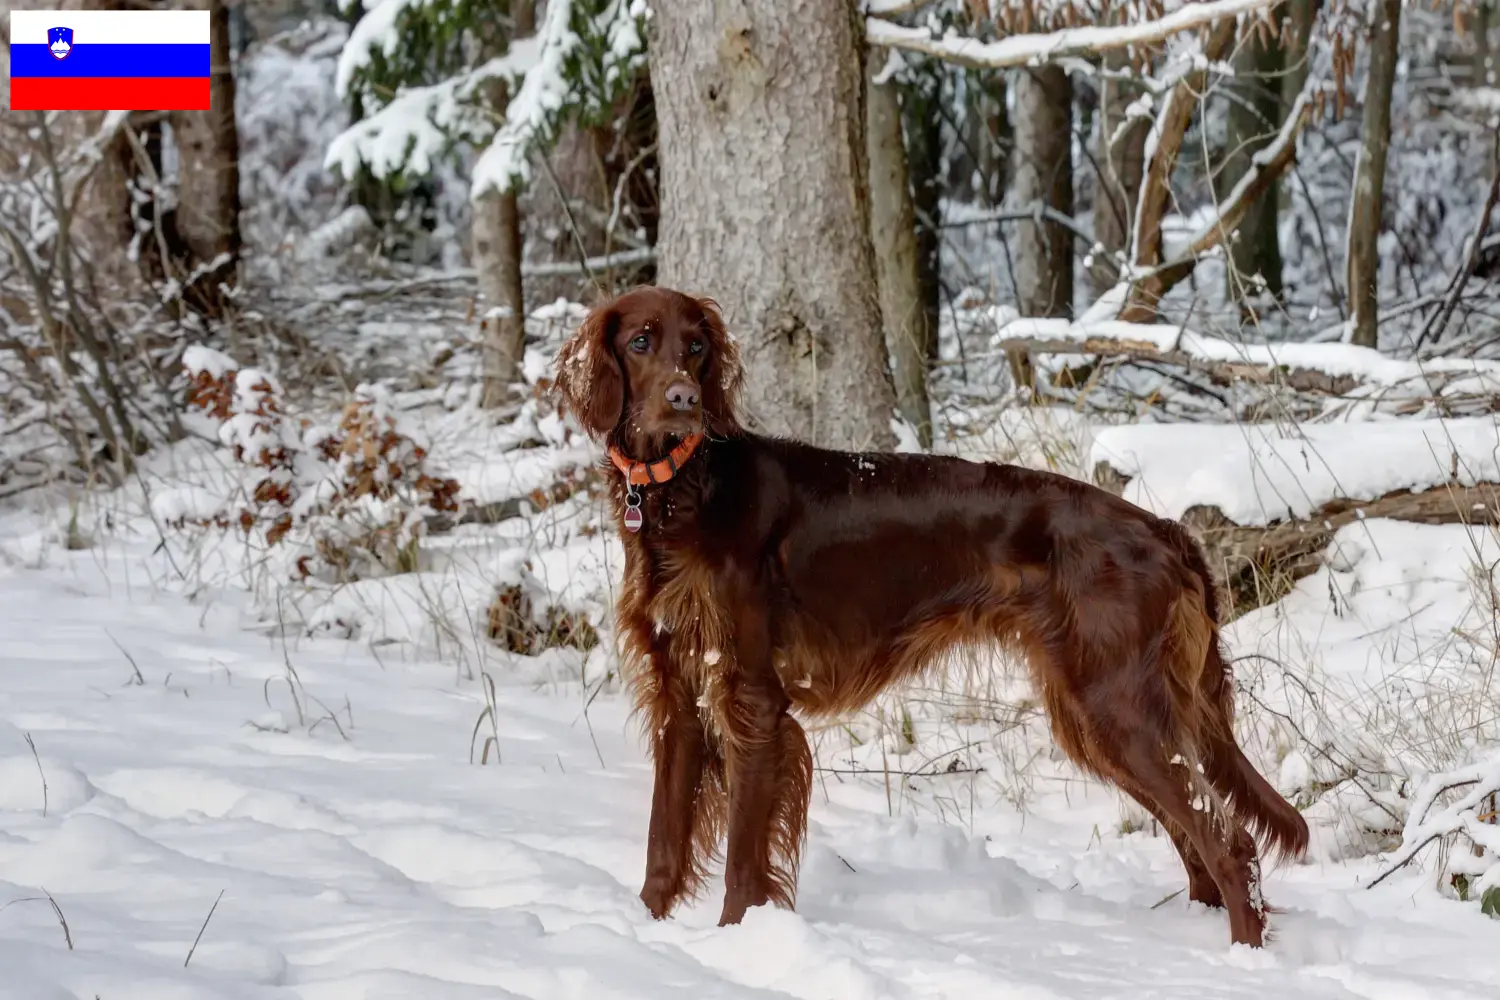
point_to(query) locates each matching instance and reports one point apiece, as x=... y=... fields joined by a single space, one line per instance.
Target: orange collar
x=659 y=471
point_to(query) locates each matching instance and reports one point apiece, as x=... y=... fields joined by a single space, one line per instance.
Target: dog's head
x=648 y=367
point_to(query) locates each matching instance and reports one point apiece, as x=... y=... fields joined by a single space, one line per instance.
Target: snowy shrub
x=356 y=494
x=516 y=623
x=1467 y=827
x=87 y=346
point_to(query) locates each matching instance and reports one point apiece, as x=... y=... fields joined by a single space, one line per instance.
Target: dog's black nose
x=682 y=395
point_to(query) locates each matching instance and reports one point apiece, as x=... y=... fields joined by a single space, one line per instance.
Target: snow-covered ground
x=315 y=815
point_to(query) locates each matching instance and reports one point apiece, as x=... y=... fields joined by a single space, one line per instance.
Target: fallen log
x=1219 y=372
x=1257 y=565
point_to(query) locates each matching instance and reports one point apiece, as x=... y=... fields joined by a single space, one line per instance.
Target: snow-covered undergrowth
x=394 y=803
x=214 y=812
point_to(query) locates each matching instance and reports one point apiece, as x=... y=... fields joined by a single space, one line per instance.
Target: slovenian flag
x=98 y=60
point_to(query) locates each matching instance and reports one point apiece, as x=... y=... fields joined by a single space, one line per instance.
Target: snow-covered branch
x=1163 y=145
x=1042 y=47
x=1472 y=814
x=1266 y=167
x=421 y=122
x=893 y=8
x=582 y=54
x=540 y=97
x=377 y=30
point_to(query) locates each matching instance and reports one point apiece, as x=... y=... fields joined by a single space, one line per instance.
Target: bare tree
x=1484 y=73
x=1043 y=178
x=1253 y=119
x=1300 y=16
x=893 y=231
x=1369 y=172
x=207 y=216
x=765 y=205
x=924 y=152
x=497 y=252
x=1122 y=155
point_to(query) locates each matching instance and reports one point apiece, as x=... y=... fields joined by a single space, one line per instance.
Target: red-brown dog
x=763 y=575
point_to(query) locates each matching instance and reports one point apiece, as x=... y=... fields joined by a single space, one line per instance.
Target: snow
x=200 y=360
x=1374 y=672
x=373 y=858
x=1262 y=473
x=383 y=822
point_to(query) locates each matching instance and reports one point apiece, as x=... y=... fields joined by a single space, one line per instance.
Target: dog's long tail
x=1201 y=690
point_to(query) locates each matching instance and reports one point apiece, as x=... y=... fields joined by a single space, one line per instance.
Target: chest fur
x=678 y=632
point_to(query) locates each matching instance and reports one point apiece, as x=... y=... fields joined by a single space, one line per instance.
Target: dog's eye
x=696 y=347
x=641 y=344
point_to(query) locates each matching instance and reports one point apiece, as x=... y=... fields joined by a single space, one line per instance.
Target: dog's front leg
x=687 y=802
x=770 y=781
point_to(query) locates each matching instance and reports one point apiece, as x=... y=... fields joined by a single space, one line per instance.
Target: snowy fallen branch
x=1221 y=371
x=1333 y=369
x=1472 y=815
x=1257 y=564
x=1267 y=501
x=1043 y=47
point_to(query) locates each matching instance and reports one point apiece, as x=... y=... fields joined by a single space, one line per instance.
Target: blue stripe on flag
x=30 y=61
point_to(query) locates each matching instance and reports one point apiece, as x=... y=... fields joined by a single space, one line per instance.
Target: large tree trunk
x=1043 y=172
x=1369 y=174
x=1254 y=118
x=893 y=232
x=496 y=252
x=765 y=205
x=1123 y=157
x=207 y=216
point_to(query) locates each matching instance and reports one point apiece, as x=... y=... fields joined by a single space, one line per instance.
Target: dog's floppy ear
x=589 y=381
x=723 y=376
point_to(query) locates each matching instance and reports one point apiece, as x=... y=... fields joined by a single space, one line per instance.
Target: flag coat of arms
x=95 y=60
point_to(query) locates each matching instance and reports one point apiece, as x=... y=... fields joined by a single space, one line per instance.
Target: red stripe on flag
x=109 y=94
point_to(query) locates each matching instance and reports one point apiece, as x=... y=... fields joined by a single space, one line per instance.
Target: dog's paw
x=658 y=895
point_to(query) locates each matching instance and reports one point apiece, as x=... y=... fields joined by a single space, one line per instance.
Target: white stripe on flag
x=115 y=27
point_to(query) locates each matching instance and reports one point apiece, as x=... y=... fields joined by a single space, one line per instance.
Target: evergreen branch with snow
x=412 y=58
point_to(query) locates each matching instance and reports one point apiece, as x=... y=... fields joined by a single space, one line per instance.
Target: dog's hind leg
x=1201 y=885
x=1227 y=851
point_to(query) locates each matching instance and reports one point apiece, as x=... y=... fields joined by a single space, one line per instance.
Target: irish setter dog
x=764 y=576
